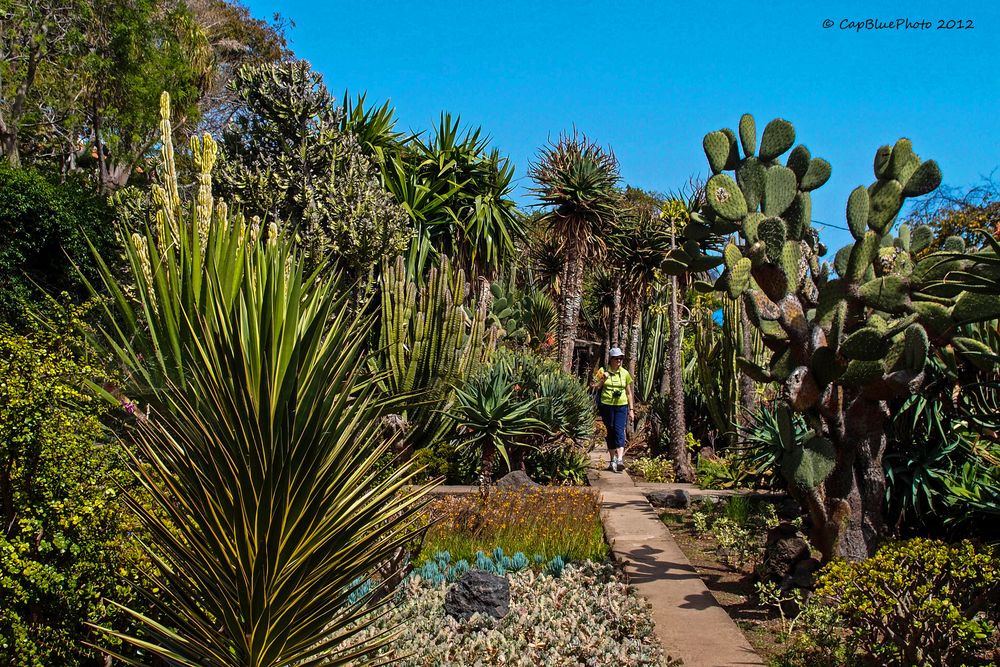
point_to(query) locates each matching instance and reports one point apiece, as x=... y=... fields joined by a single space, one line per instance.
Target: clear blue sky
x=649 y=79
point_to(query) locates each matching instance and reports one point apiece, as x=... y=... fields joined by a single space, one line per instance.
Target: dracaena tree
x=576 y=180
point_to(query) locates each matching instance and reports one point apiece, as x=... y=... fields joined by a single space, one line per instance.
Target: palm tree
x=577 y=179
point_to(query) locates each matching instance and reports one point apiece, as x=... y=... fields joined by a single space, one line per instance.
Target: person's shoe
x=620 y=465
x=611 y=466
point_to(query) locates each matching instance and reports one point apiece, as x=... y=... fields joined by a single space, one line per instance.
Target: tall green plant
x=258 y=456
x=430 y=338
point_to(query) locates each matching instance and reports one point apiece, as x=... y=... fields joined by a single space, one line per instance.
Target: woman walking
x=615 y=403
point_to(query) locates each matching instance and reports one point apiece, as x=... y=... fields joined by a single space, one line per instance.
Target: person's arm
x=599 y=379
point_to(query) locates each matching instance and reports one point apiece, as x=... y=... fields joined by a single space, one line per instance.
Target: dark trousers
x=614 y=418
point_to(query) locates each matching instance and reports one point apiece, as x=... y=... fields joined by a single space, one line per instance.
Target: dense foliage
x=64 y=547
x=46 y=226
x=919 y=602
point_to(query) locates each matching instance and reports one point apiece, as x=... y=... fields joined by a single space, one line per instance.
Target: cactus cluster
x=431 y=338
x=859 y=328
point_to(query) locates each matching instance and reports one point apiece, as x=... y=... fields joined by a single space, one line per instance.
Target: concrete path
x=689 y=621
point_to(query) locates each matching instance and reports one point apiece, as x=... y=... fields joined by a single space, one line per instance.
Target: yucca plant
x=268 y=522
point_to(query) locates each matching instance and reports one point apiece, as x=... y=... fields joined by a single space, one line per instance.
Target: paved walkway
x=689 y=621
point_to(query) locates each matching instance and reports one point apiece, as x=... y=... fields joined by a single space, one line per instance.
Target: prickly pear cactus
x=843 y=338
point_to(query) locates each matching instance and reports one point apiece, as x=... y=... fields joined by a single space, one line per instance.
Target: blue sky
x=650 y=79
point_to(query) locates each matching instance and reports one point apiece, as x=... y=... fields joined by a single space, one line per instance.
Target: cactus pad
x=750 y=175
x=921 y=238
x=773 y=233
x=934 y=316
x=780 y=188
x=903 y=162
x=857 y=212
x=882 y=161
x=739 y=277
x=778 y=137
x=861 y=372
x=731 y=254
x=972 y=307
x=903 y=240
x=733 y=160
x=760 y=306
x=725 y=198
x=886 y=200
x=781 y=364
x=798 y=161
x=953 y=244
x=748 y=134
x=925 y=179
x=841 y=259
x=751 y=223
x=791 y=253
x=752 y=370
x=824 y=365
x=818 y=173
x=863 y=253
x=806 y=467
x=799 y=216
x=866 y=344
x=890 y=294
x=696 y=231
x=915 y=347
x=716 y=145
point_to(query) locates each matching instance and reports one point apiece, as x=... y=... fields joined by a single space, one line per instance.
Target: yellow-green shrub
x=918 y=602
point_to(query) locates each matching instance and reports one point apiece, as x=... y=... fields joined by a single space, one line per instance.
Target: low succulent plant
x=587 y=616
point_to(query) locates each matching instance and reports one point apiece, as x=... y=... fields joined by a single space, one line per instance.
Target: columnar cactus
x=843 y=339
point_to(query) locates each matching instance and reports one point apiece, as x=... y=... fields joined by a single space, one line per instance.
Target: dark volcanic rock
x=478 y=591
x=516 y=480
x=783 y=549
x=676 y=499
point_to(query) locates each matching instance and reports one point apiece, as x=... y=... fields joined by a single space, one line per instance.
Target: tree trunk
x=747 y=386
x=569 y=311
x=847 y=510
x=678 y=428
x=635 y=324
x=616 y=318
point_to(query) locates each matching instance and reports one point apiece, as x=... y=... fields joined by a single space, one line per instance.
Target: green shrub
x=65 y=543
x=41 y=222
x=656 y=469
x=918 y=602
x=545 y=413
x=719 y=473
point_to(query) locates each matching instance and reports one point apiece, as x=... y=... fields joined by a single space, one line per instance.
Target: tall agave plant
x=267 y=521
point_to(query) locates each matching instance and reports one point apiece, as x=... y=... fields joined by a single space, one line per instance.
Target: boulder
x=478 y=592
x=802 y=576
x=517 y=479
x=678 y=499
x=788 y=509
x=783 y=549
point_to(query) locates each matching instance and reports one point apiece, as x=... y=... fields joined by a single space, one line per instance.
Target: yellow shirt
x=616 y=380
